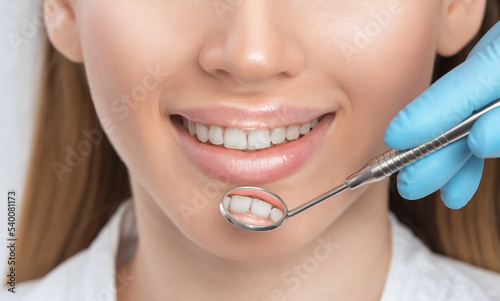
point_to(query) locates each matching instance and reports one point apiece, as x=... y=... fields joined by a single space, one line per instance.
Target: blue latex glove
x=457 y=168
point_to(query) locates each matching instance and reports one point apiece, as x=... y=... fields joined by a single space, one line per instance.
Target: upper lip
x=252 y=118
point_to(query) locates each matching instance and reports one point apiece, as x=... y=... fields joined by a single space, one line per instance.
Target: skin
x=319 y=54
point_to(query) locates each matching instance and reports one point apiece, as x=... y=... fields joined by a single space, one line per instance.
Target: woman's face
x=252 y=65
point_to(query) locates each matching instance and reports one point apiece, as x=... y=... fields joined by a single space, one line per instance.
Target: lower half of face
x=225 y=72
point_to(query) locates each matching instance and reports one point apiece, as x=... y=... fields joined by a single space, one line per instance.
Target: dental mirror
x=258 y=209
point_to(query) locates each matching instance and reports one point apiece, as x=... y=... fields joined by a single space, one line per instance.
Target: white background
x=20 y=67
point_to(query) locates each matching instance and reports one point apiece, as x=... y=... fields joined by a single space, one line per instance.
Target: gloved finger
x=450 y=100
x=432 y=172
x=484 y=137
x=461 y=188
x=486 y=39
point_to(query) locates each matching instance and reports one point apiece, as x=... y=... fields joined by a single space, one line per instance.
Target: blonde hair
x=71 y=189
x=63 y=213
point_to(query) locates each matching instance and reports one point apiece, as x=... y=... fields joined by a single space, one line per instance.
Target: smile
x=235 y=138
x=251 y=146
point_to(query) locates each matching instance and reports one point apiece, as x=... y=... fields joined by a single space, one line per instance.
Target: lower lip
x=257 y=167
x=252 y=219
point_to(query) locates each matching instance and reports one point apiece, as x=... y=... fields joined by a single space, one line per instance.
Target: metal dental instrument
x=375 y=170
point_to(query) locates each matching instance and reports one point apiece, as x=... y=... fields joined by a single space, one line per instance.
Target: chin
x=224 y=240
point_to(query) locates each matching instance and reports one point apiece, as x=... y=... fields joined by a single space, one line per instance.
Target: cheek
x=121 y=81
x=386 y=65
x=377 y=78
x=130 y=63
x=130 y=67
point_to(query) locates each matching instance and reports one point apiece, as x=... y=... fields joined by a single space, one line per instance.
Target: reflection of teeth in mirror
x=257 y=207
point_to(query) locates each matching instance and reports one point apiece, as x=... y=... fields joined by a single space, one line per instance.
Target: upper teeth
x=235 y=138
x=257 y=207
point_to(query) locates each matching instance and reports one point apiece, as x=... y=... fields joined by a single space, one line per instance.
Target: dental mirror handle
x=388 y=163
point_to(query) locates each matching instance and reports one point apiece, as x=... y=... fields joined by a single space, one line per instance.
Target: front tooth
x=305 y=128
x=235 y=138
x=278 y=135
x=276 y=214
x=260 y=208
x=259 y=139
x=240 y=204
x=192 y=128
x=216 y=135
x=202 y=132
x=314 y=122
x=225 y=202
x=292 y=132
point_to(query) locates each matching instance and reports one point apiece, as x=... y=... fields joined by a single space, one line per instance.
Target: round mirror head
x=253 y=208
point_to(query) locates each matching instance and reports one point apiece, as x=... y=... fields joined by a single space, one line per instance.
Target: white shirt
x=415 y=273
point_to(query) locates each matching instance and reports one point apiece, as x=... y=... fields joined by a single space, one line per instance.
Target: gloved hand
x=457 y=168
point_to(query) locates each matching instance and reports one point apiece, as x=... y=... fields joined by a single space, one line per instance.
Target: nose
x=252 y=47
